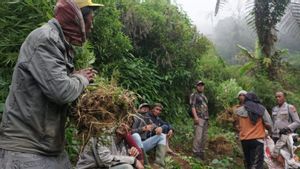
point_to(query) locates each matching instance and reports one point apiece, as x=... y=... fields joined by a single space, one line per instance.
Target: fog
x=229 y=27
x=201 y=12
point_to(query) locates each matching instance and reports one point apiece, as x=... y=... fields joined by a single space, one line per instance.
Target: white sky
x=201 y=12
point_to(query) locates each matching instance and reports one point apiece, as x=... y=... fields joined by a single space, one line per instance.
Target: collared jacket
x=104 y=152
x=285 y=116
x=42 y=86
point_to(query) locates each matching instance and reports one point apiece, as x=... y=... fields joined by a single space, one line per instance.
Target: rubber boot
x=146 y=161
x=199 y=156
x=160 y=155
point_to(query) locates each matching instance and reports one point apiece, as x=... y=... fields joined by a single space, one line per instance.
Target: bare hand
x=133 y=152
x=196 y=120
x=158 y=130
x=88 y=73
x=139 y=165
x=148 y=127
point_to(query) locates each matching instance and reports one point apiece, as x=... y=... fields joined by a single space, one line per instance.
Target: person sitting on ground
x=149 y=135
x=139 y=127
x=166 y=127
x=113 y=151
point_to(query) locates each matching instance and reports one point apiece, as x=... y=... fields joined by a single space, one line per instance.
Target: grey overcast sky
x=201 y=12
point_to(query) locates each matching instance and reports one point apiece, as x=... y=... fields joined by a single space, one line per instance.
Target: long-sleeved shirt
x=140 y=121
x=200 y=103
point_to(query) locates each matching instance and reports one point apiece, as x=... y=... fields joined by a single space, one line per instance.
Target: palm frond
x=247 y=68
x=250 y=14
x=219 y=5
x=245 y=53
x=291 y=20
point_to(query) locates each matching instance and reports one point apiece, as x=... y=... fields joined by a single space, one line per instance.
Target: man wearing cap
x=44 y=82
x=241 y=98
x=141 y=129
x=285 y=117
x=198 y=103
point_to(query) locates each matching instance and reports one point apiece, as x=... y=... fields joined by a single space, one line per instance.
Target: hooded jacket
x=42 y=86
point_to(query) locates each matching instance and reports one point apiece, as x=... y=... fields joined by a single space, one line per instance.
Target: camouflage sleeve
x=268 y=121
x=193 y=100
x=295 y=118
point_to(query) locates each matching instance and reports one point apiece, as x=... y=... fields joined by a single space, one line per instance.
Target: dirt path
x=183 y=163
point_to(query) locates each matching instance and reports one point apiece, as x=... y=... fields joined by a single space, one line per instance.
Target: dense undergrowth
x=152 y=49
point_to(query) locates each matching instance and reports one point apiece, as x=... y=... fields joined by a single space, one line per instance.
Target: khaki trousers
x=200 y=137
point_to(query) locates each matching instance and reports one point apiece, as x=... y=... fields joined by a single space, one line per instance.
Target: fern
x=291 y=20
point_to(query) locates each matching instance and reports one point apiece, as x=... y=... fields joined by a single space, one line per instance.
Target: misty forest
x=150 y=51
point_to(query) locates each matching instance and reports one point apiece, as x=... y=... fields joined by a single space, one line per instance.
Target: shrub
x=226 y=93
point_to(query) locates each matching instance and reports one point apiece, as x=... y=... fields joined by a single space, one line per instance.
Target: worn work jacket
x=42 y=86
x=248 y=130
x=104 y=152
x=285 y=116
x=140 y=121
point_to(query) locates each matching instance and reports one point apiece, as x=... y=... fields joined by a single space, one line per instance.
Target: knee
x=163 y=139
x=136 y=136
x=163 y=136
x=138 y=140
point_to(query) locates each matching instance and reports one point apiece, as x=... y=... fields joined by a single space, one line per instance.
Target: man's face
x=156 y=110
x=200 y=87
x=89 y=22
x=144 y=109
x=280 y=99
x=241 y=98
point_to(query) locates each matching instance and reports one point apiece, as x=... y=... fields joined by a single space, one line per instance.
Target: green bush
x=226 y=93
x=265 y=90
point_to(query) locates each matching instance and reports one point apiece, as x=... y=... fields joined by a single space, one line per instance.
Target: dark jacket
x=159 y=123
x=139 y=122
x=42 y=86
